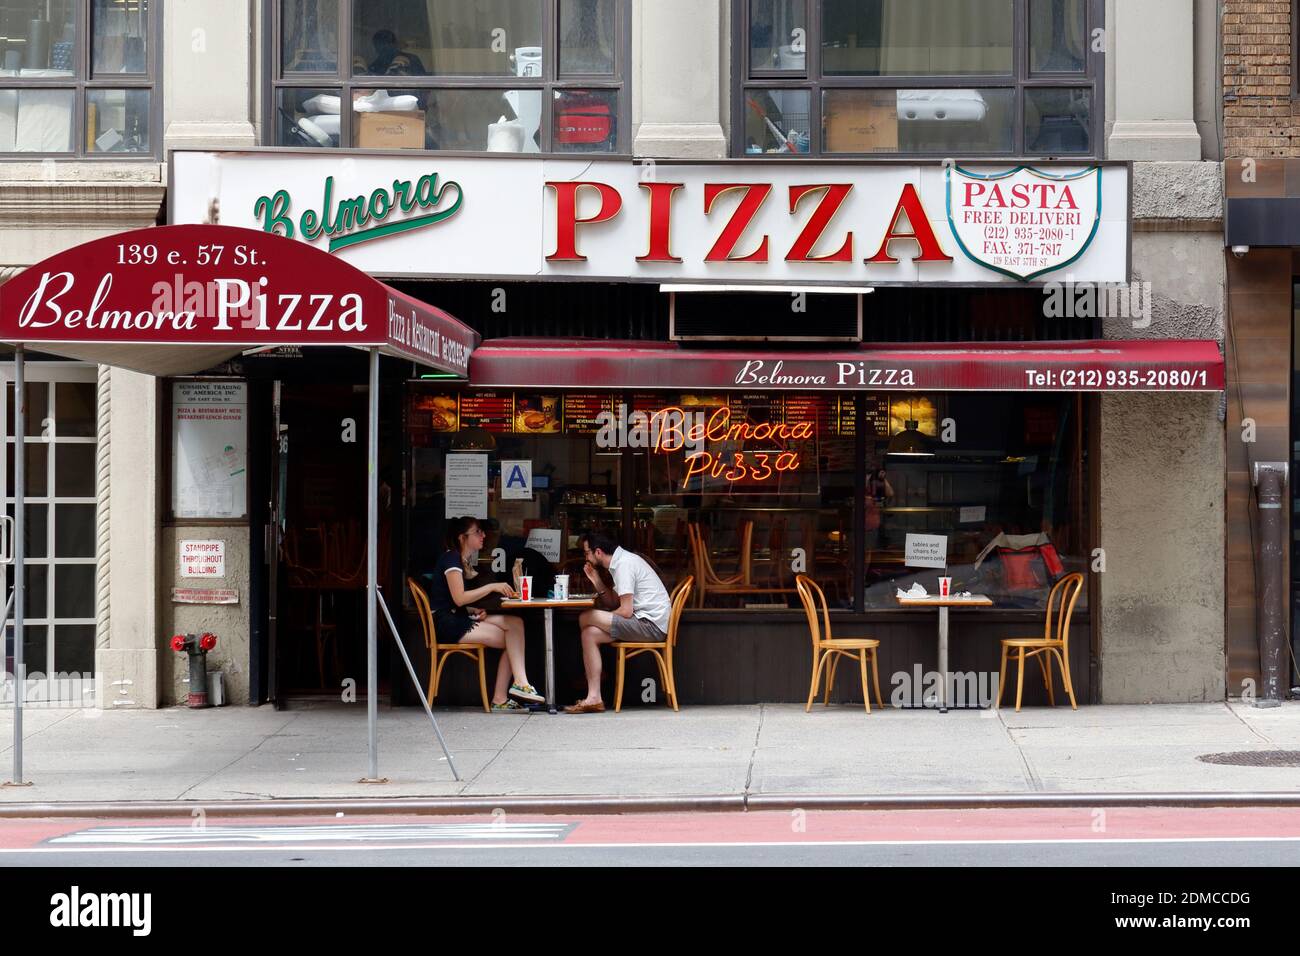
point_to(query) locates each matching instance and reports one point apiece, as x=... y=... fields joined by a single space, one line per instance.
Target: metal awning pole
x=372 y=569
x=19 y=491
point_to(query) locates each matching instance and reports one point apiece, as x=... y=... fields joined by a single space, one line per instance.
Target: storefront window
x=62 y=97
x=1000 y=477
x=488 y=75
x=975 y=91
x=746 y=491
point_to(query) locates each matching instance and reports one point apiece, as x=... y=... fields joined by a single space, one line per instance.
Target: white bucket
x=216 y=688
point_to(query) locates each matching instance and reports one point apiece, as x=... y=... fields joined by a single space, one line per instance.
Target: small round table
x=548 y=606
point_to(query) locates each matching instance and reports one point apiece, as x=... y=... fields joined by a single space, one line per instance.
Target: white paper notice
x=926 y=551
x=516 y=480
x=209 y=449
x=546 y=542
x=467 y=486
x=203 y=559
x=972 y=515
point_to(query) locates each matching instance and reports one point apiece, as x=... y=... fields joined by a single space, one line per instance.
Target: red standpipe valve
x=197 y=647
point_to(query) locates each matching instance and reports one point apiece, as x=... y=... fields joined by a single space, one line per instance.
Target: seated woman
x=451 y=596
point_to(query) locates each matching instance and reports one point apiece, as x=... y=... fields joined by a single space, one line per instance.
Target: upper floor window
x=77 y=78
x=942 y=78
x=513 y=76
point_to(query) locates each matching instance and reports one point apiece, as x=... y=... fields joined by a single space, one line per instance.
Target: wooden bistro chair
x=1060 y=608
x=831 y=649
x=707 y=579
x=476 y=651
x=661 y=650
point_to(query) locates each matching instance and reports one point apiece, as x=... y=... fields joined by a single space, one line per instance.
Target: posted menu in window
x=582 y=412
x=490 y=411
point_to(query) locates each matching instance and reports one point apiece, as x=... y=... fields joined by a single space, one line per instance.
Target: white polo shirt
x=633 y=575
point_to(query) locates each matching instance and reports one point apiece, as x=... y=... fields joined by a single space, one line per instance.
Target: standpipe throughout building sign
x=738 y=221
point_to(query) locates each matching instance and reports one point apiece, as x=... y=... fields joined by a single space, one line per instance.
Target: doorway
x=318 y=506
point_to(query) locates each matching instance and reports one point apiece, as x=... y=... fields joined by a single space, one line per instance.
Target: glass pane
x=120 y=36
x=38 y=407
x=309 y=31
x=308 y=117
x=918 y=121
x=775 y=483
x=74 y=649
x=36 y=121
x=776 y=121
x=36 y=530
x=1057 y=36
x=502 y=121
x=75 y=409
x=37 y=577
x=74 y=470
x=74 y=531
x=34 y=649
x=74 y=590
x=778 y=32
x=37 y=475
x=117 y=121
x=586 y=121
x=1008 y=493
x=38 y=37
x=587 y=36
x=916 y=37
x=447 y=37
x=1058 y=121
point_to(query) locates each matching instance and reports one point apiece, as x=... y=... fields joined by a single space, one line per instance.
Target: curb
x=552 y=805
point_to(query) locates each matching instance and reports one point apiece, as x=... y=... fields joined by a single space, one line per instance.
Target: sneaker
x=510 y=707
x=526 y=692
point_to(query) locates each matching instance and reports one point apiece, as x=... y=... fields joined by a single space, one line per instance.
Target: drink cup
x=526 y=588
x=562 y=587
x=945 y=587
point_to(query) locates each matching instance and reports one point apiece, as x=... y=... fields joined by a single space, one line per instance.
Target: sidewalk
x=241 y=753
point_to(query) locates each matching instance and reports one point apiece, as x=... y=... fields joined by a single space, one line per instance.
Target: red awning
x=1094 y=366
x=170 y=300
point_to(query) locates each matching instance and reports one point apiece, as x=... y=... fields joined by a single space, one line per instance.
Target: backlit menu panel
x=490 y=411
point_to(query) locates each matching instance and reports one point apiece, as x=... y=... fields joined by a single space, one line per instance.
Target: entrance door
x=320 y=500
x=60 y=449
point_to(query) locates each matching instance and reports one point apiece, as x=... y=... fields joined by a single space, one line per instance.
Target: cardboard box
x=856 y=124
x=400 y=130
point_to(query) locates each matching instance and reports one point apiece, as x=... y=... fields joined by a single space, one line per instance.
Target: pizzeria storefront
x=744 y=372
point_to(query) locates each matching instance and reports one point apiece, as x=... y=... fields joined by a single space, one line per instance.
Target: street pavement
x=1078 y=836
x=744 y=753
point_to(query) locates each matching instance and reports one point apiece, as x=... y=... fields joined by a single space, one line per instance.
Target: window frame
x=275 y=79
x=1020 y=79
x=84 y=80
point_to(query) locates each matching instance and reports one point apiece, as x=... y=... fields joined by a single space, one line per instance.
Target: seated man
x=638 y=609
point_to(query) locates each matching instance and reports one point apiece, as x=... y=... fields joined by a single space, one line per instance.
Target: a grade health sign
x=203 y=559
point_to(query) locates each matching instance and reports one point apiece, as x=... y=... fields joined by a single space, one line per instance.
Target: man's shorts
x=636 y=630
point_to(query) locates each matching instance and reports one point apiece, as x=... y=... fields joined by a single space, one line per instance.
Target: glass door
x=60 y=532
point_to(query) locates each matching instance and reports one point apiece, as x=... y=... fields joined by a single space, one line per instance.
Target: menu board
x=579 y=413
x=755 y=408
x=821 y=410
x=582 y=412
x=877 y=415
x=537 y=415
x=490 y=411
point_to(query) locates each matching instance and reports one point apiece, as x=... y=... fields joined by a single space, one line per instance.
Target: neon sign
x=674 y=429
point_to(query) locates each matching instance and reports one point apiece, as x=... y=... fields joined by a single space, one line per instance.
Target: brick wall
x=1260 y=117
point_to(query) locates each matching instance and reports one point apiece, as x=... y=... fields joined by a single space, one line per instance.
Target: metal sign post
x=20 y=491
x=372 y=572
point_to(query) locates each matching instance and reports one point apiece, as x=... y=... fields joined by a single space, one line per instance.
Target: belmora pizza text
x=61 y=303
